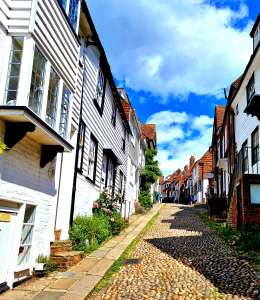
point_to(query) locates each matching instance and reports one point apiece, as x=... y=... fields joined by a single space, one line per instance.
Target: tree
x=149 y=176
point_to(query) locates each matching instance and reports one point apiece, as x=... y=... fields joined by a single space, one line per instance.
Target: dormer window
x=250 y=89
x=100 y=91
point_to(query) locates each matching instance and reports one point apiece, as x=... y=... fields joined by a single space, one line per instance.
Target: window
x=121 y=188
x=63 y=4
x=237 y=109
x=73 y=13
x=250 y=89
x=100 y=91
x=37 y=82
x=111 y=175
x=124 y=139
x=14 y=70
x=113 y=119
x=27 y=234
x=245 y=157
x=104 y=171
x=255 y=146
x=64 y=115
x=52 y=98
x=81 y=145
x=92 y=158
x=254 y=194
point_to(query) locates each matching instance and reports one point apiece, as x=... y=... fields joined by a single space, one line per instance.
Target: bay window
x=52 y=98
x=14 y=70
x=92 y=158
x=37 y=82
x=64 y=115
x=27 y=235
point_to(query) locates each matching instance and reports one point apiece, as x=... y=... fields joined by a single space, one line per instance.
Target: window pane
x=14 y=70
x=37 y=82
x=73 y=13
x=64 y=112
x=29 y=214
x=52 y=99
x=27 y=234
x=24 y=255
x=100 y=88
x=92 y=159
x=255 y=193
x=81 y=145
x=63 y=3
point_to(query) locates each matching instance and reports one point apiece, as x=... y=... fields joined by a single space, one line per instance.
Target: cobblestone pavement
x=179 y=258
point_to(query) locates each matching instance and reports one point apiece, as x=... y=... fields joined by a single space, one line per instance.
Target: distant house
x=201 y=177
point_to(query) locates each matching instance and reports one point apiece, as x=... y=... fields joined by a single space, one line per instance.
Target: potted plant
x=40 y=268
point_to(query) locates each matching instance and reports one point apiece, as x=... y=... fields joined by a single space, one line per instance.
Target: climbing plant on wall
x=149 y=176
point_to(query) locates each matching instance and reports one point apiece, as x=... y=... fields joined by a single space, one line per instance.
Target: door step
x=66 y=259
x=60 y=246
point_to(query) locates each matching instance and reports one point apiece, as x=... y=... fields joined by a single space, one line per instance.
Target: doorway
x=6 y=235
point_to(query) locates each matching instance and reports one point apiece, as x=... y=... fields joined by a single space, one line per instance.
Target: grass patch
x=118 y=264
x=245 y=241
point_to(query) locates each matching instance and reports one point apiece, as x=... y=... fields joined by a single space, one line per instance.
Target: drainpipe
x=72 y=208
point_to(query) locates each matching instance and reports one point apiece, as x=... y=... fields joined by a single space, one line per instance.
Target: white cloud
x=177 y=141
x=173 y=47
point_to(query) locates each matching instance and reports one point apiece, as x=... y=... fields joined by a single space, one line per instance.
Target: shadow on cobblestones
x=198 y=247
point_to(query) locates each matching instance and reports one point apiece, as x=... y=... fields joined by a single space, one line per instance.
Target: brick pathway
x=80 y=280
x=179 y=258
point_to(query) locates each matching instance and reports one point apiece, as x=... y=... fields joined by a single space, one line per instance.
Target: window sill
x=99 y=109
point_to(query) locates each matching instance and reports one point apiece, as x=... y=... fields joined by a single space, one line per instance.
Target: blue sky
x=175 y=57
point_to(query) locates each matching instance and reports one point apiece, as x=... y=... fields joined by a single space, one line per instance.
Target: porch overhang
x=21 y=121
x=110 y=153
x=253 y=107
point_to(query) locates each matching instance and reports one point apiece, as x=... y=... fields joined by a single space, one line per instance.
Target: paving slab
x=84 y=286
x=62 y=284
x=48 y=296
x=99 y=253
x=101 y=267
x=18 y=295
x=34 y=285
x=85 y=265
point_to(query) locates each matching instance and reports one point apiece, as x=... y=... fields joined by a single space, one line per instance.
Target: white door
x=6 y=223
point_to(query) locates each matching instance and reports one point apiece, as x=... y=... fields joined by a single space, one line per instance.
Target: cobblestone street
x=180 y=258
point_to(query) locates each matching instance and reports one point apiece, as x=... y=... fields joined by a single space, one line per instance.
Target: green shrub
x=117 y=223
x=87 y=232
x=145 y=199
x=50 y=266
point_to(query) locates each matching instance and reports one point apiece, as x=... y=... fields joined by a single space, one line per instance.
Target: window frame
x=63 y=105
x=13 y=61
x=250 y=88
x=93 y=138
x=41 y=75
x=82 y=129
x=245 y=161
x=100 y=91
x=255 y=148
x=114 y=115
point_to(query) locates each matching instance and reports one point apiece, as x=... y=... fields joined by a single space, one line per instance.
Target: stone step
x=61 y=246
x=66 y=259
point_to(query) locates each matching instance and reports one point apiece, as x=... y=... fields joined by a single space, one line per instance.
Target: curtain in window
x=63 y=3
x=52 y=99
x=64 y=117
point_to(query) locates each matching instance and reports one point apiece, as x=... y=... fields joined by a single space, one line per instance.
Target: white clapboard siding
x=54 y=35
x=2 y=45
x=4 y=12
x=101 y=127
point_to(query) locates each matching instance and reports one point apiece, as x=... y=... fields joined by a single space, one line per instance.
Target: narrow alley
x=180 y=258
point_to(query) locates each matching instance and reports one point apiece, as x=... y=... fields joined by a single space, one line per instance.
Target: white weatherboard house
x=136 y=155
x=103 y=137
x=65 y=127
x=39 y=52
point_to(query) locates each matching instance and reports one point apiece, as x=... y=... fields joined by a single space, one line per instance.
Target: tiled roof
x=219 y=114
x=206 y=159
x=233 y=88
x=149 y=131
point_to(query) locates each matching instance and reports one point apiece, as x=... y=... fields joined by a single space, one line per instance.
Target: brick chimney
x=192 y=161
